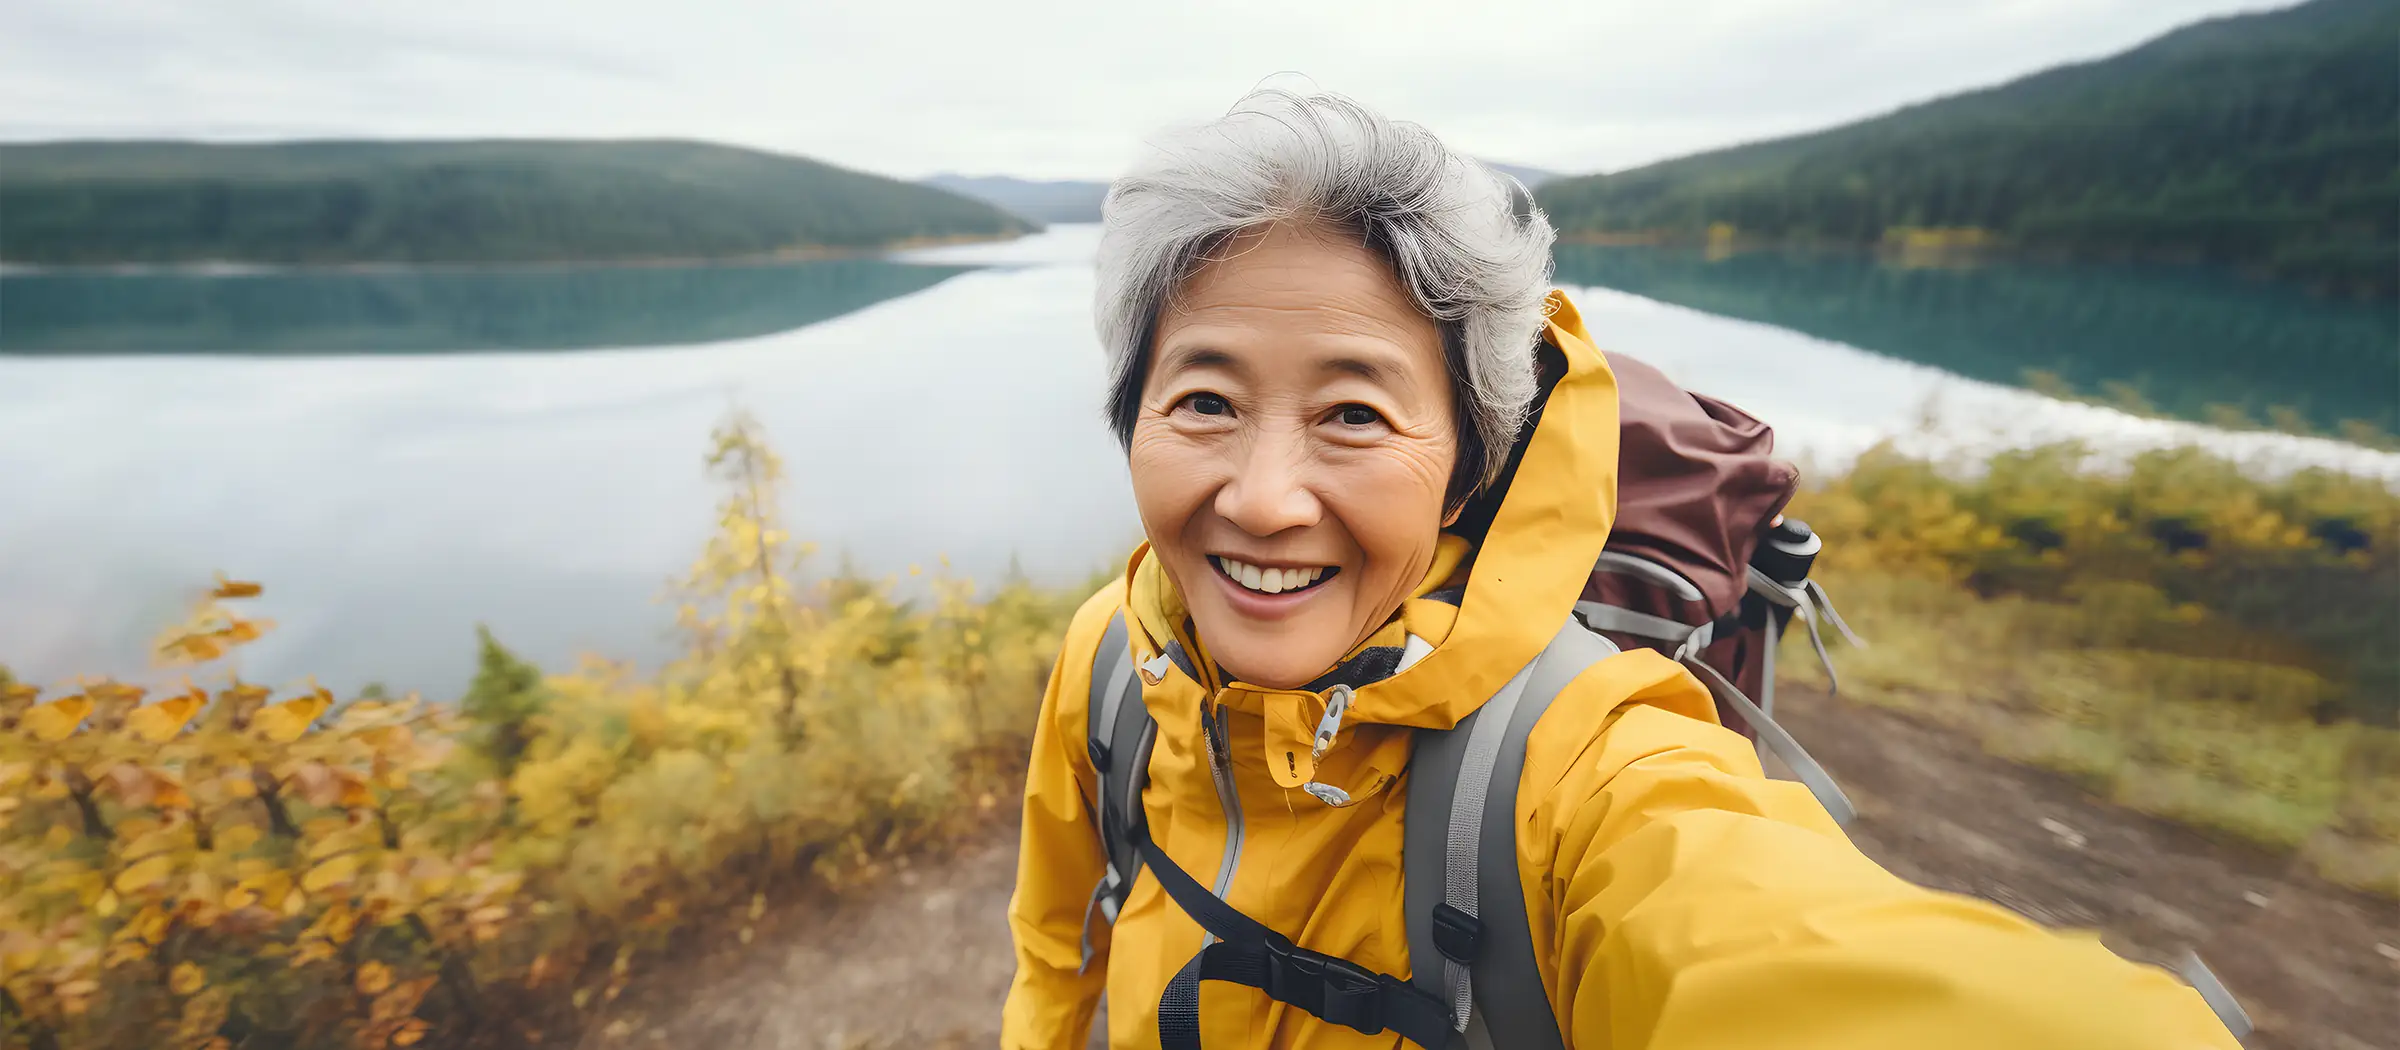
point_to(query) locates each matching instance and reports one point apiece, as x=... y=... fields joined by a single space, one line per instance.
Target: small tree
x=505 y=696
x=736 y=602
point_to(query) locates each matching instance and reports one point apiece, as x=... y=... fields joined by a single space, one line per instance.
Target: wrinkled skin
x=1297 y=415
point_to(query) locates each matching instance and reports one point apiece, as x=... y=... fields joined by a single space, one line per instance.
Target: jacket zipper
x=1212 y=729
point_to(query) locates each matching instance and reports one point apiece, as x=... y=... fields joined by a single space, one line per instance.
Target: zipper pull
x=1337 y=704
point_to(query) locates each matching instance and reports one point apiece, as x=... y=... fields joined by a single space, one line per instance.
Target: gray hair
x=1467 y=242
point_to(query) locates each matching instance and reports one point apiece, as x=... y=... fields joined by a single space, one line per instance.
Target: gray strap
x=1508 y=978
x=1507 y=1003
x=1780 y=741
x=1616 y=618
x=1100 y=710
x=1465 y=836
x=1115 y=728
x=2214 y=993
x=1642 y=568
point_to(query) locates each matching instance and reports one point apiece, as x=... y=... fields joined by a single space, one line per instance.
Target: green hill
x=2269 y=141
x=445 y=202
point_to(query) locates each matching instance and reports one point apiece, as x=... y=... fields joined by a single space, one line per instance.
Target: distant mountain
x=1045 y=202
x=454 y=202
x=1531 y=177
x=1079 y=200
x=2265 y=141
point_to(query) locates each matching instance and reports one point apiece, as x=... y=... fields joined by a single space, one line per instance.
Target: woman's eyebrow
x=1373 y=370
x=1190 y=357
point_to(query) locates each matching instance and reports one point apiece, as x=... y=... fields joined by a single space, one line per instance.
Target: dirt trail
x=923 y=961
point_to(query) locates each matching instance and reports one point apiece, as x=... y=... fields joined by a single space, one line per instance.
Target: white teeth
x=1270 y=581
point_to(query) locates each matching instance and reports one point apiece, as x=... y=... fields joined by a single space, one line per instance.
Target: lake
x=399 y=455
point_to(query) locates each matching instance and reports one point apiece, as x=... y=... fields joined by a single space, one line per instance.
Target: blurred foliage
x=2193 y=641
x=215 y=866
x=2264 y=141
x=450 y=202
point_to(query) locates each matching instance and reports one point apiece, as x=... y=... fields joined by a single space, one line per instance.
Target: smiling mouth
x=1271 y=581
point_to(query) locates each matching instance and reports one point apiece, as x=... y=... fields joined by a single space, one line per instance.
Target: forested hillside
x=425 y=202
x=2269 y=142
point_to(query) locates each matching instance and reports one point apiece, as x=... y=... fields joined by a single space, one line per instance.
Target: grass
x=2222 y=744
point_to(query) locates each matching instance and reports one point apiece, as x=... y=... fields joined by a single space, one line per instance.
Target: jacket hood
x=1484 y=611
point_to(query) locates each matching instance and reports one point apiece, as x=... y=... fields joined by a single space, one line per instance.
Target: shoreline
x=1936 y=252
x=232 y=268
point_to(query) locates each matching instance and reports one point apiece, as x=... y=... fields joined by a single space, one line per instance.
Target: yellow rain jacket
x=1678 y=898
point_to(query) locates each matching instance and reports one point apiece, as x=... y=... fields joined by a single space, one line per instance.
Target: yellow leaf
x=106 y=905
x=334 y=871
x=294 y=902
x=373 y=978
x=240 y=897
x=58 y=719
x=285 y=722
x=237 y=838
x=409 y=1033
x=152 y=925
x=159 y=722
x=235 y=588
x=144 y=872
x=187 y=979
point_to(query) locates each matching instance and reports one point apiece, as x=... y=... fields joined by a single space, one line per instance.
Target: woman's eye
x=1358 y=416
x=1208 y=405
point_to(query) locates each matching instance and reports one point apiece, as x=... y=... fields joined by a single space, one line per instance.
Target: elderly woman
x=1328 y=332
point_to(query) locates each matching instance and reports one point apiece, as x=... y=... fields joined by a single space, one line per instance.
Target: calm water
x=399 y=455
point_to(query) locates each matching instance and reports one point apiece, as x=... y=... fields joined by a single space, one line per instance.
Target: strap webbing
x=1489 y=931
x=1779 y=740
x=1248 y=953
x=1464 y=841
x=1601 y=617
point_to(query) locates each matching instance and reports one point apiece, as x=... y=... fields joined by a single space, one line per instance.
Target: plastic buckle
x=1337 y=991
x=1456 y=933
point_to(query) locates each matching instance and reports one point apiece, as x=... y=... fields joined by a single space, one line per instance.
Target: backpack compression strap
x=1465 y=905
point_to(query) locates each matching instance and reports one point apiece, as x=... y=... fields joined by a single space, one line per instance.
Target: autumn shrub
x=218 y=866
x=2190 y=640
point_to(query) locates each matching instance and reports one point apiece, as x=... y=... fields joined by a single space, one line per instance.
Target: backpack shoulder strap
x=1118 y=734
x=1469 y=941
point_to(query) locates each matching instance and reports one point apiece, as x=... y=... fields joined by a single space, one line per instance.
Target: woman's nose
x=1268 y=491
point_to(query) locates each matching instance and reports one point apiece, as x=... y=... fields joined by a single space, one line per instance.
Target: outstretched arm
x=1702 y=905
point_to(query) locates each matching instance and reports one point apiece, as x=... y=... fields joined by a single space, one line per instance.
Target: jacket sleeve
x=1050 y=1003
x=1700 y=905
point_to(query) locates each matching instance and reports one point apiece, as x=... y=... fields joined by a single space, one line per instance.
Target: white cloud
x=1063 y=89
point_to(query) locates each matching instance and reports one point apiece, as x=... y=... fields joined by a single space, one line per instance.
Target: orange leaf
x=159 y=722
x=355 y=792
x=236 y=588
x=187 y=979
x=373 y=978
x=58 y=719
x=285 y=722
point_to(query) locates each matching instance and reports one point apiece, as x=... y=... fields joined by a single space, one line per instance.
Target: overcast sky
x=1057 y=88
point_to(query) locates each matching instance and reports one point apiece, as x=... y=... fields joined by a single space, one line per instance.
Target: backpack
x=1701 y=566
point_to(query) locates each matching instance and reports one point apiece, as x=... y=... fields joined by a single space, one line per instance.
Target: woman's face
x=1293 y=445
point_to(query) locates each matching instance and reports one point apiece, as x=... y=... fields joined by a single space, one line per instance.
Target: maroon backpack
x=1701 y=563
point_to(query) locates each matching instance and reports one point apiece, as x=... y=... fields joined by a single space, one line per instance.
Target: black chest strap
x=1246 y=952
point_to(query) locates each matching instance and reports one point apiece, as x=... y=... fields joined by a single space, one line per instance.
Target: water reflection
x=438 y=311
x=2184 y=341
